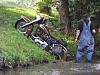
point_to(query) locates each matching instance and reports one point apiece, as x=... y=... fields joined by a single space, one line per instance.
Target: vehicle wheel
x=27 y=30
x=60 y=51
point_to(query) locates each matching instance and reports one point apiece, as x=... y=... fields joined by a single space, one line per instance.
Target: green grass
x=13 y=44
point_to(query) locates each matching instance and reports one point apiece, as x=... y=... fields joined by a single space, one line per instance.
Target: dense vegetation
x=15 y=47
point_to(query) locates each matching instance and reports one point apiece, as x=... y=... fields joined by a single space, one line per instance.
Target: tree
x=64 y=14
x=70 y=11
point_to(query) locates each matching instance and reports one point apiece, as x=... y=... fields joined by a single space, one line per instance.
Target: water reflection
x=64 y=68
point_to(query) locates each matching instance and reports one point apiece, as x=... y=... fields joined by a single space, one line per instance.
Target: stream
x=59 y=68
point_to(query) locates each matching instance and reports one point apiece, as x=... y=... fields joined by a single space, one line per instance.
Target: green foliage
x=97 y=44
x=43 y=3
x=47 y=2
x=97 y=37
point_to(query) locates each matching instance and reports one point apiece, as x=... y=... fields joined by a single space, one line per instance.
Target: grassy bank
x=14 y=46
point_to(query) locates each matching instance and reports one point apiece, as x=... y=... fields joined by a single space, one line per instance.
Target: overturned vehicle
x=42 y=35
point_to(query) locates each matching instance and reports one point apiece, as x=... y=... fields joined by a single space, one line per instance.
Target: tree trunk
x=64 y=15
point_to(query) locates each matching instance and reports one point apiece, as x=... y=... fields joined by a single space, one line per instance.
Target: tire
x=27 y=30
x=59 y=51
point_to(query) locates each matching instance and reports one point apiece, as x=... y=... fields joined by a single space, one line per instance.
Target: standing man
x=86 y=40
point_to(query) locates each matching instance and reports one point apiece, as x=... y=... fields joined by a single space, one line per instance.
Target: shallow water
x=60 y=68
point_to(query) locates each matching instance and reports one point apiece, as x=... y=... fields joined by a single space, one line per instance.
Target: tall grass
x=13 y=44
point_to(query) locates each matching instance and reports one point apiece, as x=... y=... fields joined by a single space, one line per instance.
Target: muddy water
x=60 y=68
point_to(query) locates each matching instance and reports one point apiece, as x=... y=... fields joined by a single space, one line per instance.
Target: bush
x=97 y=44
x=43 y=7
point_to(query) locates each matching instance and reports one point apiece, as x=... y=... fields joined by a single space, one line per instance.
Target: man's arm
x=77 y=34
x=93 y=27
x=78 y=30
